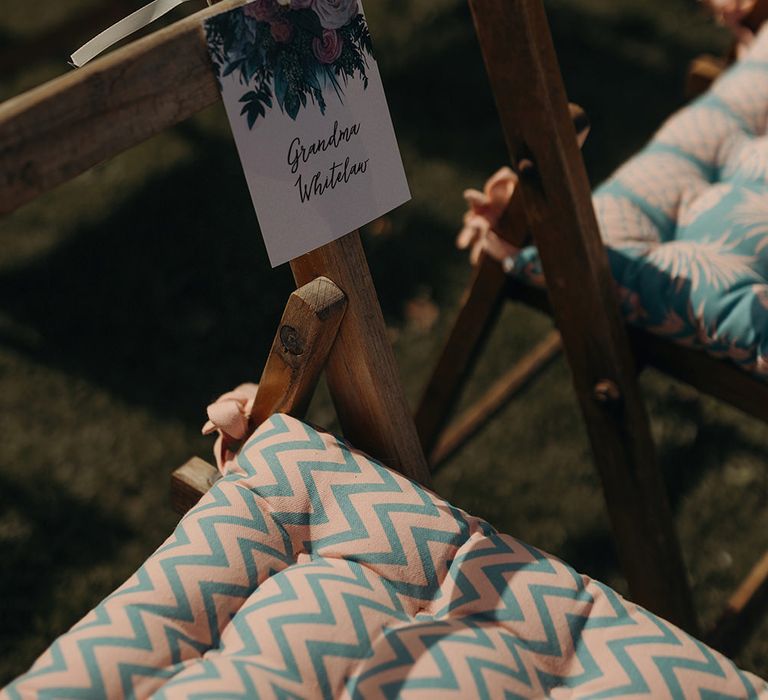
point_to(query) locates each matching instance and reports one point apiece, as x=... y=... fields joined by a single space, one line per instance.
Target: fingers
x=476 y=252
x=465 y=238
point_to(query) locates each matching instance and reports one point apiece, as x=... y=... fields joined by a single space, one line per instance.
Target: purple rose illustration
x=261 y=10
x=289 y=54
x=327 y=49
x=335 y=14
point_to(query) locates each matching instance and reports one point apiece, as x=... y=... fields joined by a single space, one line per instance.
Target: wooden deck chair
x=553 y=203
x=488 y=289
x=333 y=322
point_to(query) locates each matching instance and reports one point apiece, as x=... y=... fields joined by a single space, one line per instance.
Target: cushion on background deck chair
x=686 y=222
x=310 y=570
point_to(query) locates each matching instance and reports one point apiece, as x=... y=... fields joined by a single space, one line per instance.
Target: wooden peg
x=299 y=352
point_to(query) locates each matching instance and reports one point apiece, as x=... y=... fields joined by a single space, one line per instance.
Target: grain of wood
x=60 y=129
x=530 y=96
x=190 y=482
x=361 y=371
x=495 y=398
x=300 y=350
x=306 y=333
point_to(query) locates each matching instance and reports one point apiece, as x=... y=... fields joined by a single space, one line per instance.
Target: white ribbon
x=125 y=27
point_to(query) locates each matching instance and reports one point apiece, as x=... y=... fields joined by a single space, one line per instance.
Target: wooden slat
x=495 y=398
x=702 y=72
x=526 y=81
x=306 y=333
x=300 y=350
x=361 y=371
x=719 y=378
x=190 y=482
x=57 y=131
x=743 y=611
x=477 y=313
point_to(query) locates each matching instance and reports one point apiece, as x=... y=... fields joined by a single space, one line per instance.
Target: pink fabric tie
x=485 y=210
x=230 y=417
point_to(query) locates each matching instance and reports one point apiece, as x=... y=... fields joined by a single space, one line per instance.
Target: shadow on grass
x=53 y=532
x=170 y=300
x=619 y=68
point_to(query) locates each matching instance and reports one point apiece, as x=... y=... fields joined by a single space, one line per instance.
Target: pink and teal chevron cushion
x=686 y=222
x=311 y=571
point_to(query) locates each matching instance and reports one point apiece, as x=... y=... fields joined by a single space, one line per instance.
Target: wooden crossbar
x=718 y=378
x=478 y=312
x=520 y=375
x=60 y=129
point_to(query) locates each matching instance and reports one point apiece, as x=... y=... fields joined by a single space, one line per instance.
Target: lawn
x=134 y=295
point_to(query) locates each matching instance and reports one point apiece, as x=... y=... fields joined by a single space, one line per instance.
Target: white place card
x=307 y=107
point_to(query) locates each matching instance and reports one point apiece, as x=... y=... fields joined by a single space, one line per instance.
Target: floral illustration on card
x=290 y=52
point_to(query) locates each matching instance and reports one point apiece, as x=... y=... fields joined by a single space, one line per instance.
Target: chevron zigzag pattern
x=312 y=571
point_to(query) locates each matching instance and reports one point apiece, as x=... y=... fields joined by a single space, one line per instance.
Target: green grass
x=132 y=296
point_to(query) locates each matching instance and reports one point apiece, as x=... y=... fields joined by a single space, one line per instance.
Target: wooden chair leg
x=361 y=371
x=299 y=353
x=301 y=348
x=495 y=398
x=477 y=315
x=742 y=612
x=526 y=81
x=702 y=72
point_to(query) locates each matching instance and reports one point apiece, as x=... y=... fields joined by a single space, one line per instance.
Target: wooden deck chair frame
x=54 y=132
x=552 y=205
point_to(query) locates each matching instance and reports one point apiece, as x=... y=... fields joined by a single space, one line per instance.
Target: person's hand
x=485 y=210
x=731 y=13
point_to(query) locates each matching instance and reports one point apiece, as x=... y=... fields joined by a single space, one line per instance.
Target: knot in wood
x=607 y=391
x=291 y=340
